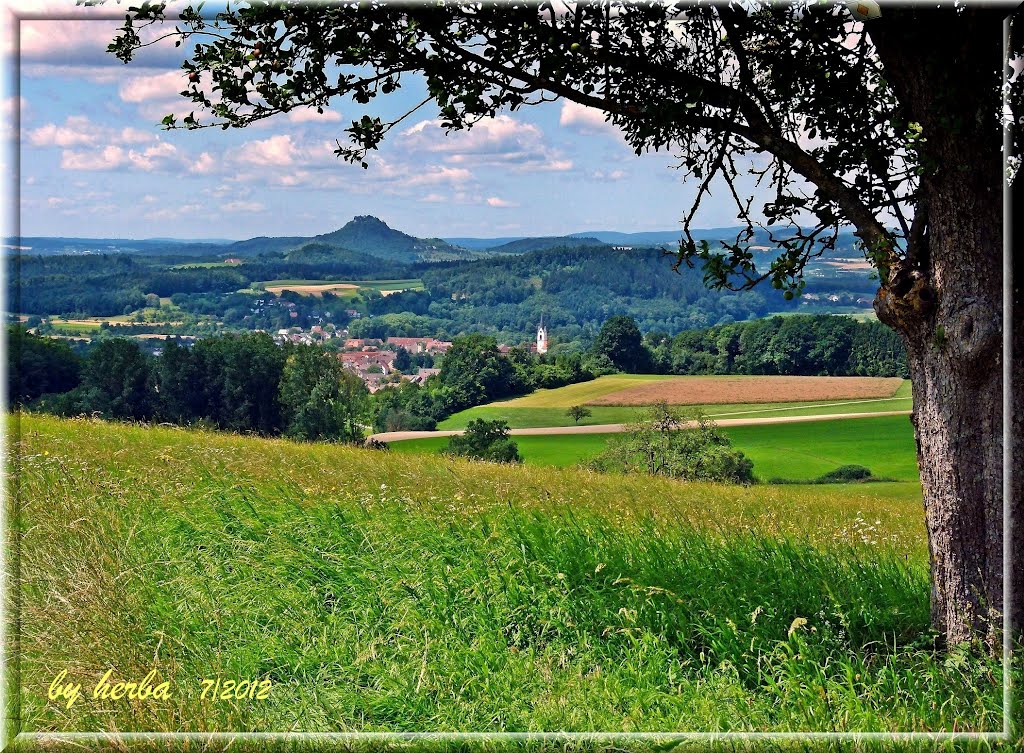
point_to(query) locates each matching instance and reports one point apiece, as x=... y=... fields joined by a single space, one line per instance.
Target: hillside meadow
x=379 y=591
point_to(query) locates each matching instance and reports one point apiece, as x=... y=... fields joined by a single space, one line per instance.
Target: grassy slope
x=547 y=407
x=378 y=591
x=792 y=451
x=578 y=394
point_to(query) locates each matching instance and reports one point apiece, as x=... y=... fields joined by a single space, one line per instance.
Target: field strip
x=734 y=388
x=398 y=436
x=815 y=405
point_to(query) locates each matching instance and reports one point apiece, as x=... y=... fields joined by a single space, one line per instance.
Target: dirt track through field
x=750 y=389
x=398 y=436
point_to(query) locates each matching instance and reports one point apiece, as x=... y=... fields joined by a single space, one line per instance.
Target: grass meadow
x=393 y=592
x=794 y=452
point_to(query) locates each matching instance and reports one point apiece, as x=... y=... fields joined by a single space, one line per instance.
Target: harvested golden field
x=313 y=290
x=700 y=390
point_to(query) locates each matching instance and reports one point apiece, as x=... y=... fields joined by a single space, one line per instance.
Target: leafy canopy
x=791 y=95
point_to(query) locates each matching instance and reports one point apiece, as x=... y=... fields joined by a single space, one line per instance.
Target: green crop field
x=376 y=591
x=521 y=414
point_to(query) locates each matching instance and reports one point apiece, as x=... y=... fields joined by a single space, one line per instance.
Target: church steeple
x=542 y=337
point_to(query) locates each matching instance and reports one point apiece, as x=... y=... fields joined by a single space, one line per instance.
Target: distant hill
x=369 y=235
x=526 y=245
x=478 y=244
x=263 y=245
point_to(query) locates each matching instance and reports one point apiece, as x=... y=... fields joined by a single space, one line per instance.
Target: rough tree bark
x=945 y=300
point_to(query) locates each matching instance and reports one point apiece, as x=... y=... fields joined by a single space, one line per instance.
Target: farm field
x=799 y=452
x=205 y=265
x=343 y=288
x=713 y=390
x=376 y=591
x=524 y=415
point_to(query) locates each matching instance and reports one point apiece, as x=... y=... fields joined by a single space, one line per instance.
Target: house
x=363 y=360
x=423 y=375
x=438 y=346
x=411 y=344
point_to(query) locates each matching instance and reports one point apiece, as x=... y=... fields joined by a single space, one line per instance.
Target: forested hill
x=575 y=289
x=370 y=235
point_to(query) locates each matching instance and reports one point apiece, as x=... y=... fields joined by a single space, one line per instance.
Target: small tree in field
x=666 y=443
x=485 y=440
x=578 y=412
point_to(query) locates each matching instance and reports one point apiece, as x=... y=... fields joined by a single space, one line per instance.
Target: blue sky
x=94 y=162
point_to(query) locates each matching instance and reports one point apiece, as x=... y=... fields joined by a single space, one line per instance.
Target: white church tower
x=542 y=337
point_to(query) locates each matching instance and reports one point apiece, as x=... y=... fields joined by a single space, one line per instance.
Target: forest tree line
x=575 y=289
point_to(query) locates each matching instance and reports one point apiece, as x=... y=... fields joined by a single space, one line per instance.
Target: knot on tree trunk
x=974 y=331
x=906 y=299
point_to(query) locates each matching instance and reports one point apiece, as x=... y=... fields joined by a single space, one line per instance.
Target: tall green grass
x=383 y=592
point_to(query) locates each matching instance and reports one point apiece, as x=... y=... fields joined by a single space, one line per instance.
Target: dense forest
x=575 y=289
x=796 y=345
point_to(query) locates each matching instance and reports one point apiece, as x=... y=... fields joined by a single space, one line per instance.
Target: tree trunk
x=946 y=300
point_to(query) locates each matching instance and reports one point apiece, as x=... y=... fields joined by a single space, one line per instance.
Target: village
x=381 y=363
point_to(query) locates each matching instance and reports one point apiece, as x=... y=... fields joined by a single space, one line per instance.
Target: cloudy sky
x=94 y=162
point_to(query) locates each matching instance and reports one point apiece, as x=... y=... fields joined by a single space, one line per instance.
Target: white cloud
x=152 y=157
x=587 y=120
x=204 y=164
x=607 y=176
x=310 y=115
x=107 y=158
x=146 y=88
x=76 y=131
x=243 y=206
x=82 y=42
x=500 y=141
x=495 y=201
x=171 y=213
x=159 y=156
x=276 y=151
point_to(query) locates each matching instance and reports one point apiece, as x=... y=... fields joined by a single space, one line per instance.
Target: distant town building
x=233 y=260
x=424 y=374
x=542 y=338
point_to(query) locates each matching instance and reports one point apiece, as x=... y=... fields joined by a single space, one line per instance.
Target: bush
x=485 y=440
x=665 y=444
x=845 y=474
